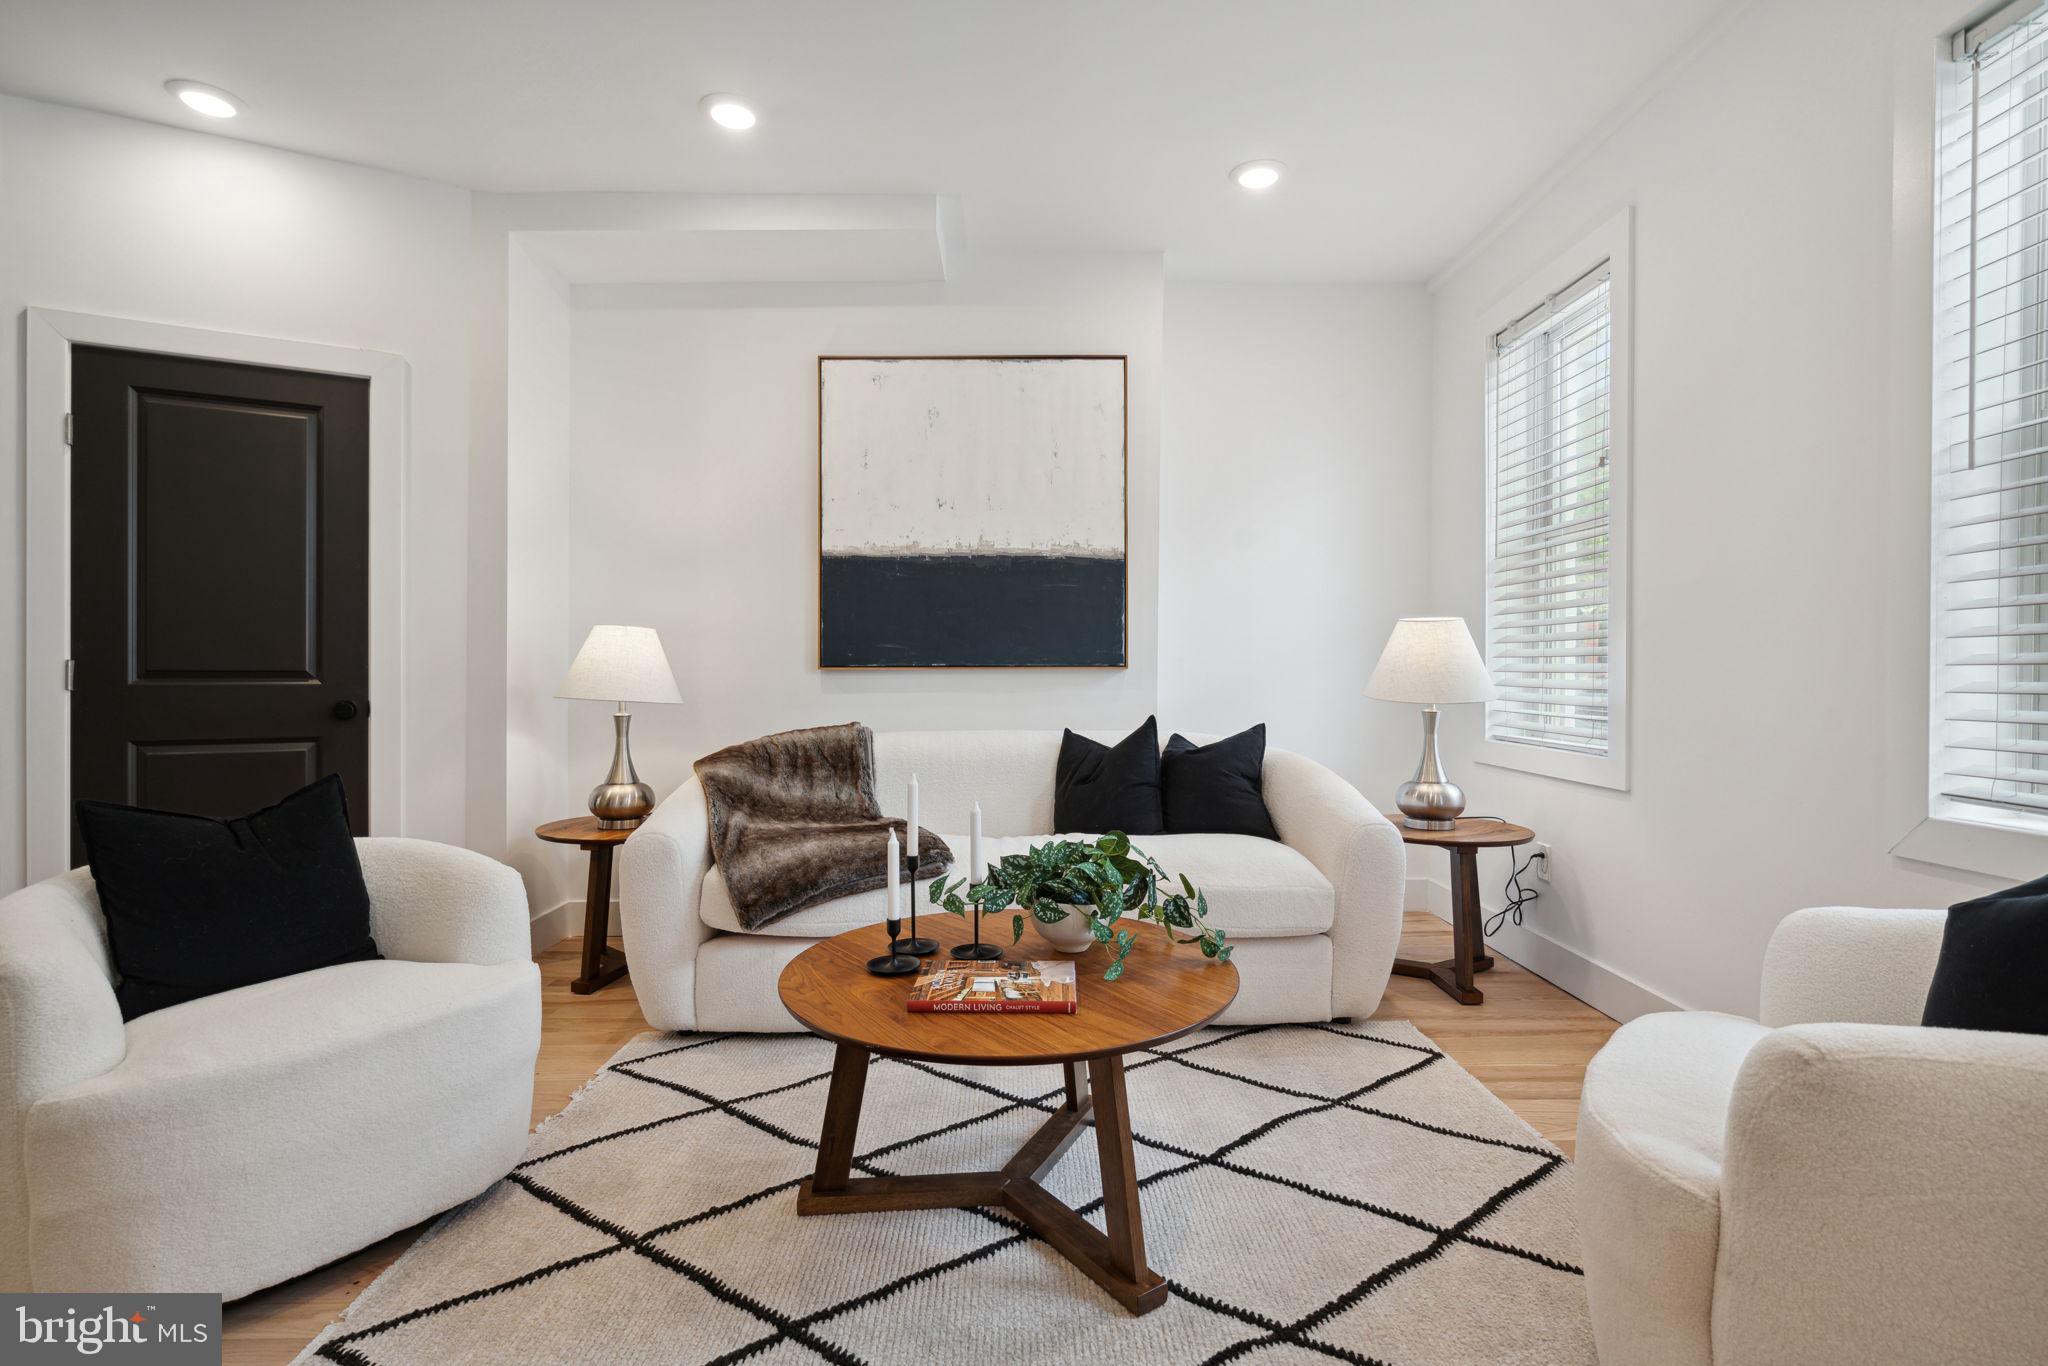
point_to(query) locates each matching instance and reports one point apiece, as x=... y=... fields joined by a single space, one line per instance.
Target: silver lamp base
x=621 y=801
x=1430 y=801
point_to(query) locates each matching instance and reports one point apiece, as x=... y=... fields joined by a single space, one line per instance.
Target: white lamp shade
x=1430 y=660
x=621 y=664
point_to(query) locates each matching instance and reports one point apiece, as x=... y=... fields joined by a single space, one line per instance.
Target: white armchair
x=1833 y=1184
x=243 y=1138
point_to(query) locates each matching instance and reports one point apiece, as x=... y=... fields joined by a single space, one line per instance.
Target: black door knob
x=346 y=711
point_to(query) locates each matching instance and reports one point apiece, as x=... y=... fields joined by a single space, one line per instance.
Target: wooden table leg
x=1464 y=919
x=602 y=964
x=842 y=1121
x=1121 y=1216
x=1042 y=1152
x=1454 y=974
x=1077 y=1085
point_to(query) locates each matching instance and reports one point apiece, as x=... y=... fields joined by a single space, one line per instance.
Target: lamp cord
x=1516 y=895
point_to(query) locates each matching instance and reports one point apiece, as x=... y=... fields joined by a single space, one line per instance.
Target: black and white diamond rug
x=1310 y=1192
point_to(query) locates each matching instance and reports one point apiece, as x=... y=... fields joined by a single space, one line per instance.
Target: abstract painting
x=971 y=512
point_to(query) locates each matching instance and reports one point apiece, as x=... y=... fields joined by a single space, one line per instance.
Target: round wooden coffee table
x=1166 y=991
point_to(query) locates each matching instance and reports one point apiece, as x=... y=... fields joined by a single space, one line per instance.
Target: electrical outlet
x=1542 y=860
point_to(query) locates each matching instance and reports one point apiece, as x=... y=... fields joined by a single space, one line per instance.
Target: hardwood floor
x=1529 y=1043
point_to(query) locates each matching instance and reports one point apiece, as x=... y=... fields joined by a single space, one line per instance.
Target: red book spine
x=993 y=1007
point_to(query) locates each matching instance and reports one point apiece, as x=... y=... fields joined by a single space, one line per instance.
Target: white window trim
x=1992 y=842
x=1613 y=242
x=46 y=757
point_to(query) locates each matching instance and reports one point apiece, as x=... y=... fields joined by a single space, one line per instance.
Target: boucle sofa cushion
x=1649 y=1150
x=1257 y=889
x=254 y=1134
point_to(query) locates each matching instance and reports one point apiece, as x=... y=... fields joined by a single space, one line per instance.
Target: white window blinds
x=1549 y=412
x=1990 y=694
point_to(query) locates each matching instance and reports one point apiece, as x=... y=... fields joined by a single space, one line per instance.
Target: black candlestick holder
x=894 y=963
x=922 y=948
x=977 y=951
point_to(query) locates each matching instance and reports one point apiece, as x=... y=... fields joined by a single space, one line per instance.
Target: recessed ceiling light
x=727 y=111
x=1257 y=175
x=209 y=100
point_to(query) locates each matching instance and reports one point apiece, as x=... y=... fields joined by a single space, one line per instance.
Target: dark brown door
x=219 y=583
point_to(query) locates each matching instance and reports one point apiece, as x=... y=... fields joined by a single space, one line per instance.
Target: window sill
x=1977 y=847
x=1604 y=770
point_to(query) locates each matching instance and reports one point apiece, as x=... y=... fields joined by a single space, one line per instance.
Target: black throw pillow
x=1994 y=963
x=196 y=906
x=1217 y=788
x=1098 y=788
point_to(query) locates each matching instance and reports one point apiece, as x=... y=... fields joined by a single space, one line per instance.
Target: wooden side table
x=602 y=964
x=1462 y=842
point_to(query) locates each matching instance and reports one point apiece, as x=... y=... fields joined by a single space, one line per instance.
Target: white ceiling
x=1088 y=124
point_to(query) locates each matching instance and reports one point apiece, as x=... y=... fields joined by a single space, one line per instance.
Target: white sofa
x=238 y=1140
x=1314 y=919
x=1831 y=1184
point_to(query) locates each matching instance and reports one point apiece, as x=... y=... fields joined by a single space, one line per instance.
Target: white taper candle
x=915 y=842
x=895 y=876
x=974 y=865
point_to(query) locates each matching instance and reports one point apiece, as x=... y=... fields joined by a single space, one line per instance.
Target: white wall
x=1779 y=664
x=540 y=638
x=1293 y=514
x=1778 y=671
x=696 y=512
x=112 y=216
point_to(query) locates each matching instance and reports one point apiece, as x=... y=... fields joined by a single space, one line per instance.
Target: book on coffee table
x=1035 y=988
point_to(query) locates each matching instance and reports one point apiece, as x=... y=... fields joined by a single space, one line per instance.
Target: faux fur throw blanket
x=794 y=822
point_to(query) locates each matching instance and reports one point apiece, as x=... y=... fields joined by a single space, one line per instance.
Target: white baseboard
x=552 y=926
x=1608 y=991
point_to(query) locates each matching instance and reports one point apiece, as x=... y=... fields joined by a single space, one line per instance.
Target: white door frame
x=46 y=755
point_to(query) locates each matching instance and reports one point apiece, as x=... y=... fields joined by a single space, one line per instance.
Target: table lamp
x=1430 y=660
x=621 y=664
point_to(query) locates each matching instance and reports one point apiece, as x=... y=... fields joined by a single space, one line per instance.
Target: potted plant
x=1077 y=891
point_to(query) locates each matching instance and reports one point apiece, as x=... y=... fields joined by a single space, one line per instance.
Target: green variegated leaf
x=1101 y=881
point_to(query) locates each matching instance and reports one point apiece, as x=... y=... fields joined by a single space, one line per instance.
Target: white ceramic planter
x=1070 y=935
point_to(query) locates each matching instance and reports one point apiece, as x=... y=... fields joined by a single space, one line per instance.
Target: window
x=1990 y=648
x=1555 y=513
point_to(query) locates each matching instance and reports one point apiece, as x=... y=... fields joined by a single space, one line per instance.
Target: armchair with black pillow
x=299 y=1042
